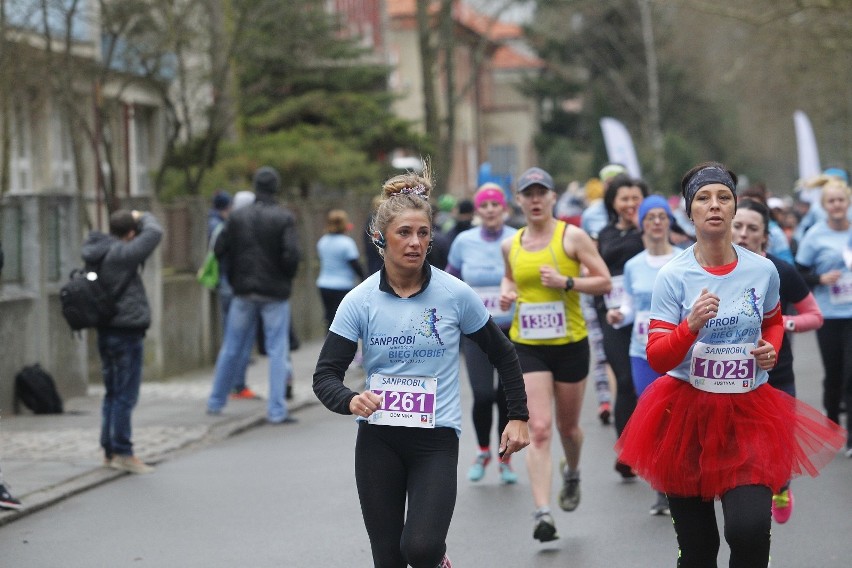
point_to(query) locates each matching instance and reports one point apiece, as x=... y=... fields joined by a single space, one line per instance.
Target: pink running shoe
x=445 y=563
x=782 y=506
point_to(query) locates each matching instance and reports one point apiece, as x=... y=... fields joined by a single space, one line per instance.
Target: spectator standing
x=339 y=264
x=439 y=245
x=7 y=500
x=543 y=277
x=133 y=236
x=216 y=217
x=464 y=219
x=374 y=259
x=260 y=245
x=475 y=258
x=410 y=318
x=241 y=390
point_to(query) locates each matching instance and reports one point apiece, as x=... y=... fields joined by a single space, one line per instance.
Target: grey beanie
x=266 y=180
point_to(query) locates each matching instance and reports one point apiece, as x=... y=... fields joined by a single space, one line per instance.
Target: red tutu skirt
x=690 y=443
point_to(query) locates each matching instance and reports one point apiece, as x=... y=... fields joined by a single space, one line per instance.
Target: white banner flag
x=619 y=145
x=806 y=146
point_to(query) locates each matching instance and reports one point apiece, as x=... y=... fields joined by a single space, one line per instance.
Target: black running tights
x=480 y=371
x=747 y=514
x=393 y=464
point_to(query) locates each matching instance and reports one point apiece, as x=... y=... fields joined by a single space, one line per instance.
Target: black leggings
x=393 y=463
x=481 y=375
x=747 y=514
x=835 y=347
x=616 y=344
x=331 y=301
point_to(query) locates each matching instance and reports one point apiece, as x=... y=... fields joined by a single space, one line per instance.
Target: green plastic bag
x=208 y=274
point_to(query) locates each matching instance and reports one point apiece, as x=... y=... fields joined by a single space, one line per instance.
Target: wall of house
x=42 y=239
x=37 y=255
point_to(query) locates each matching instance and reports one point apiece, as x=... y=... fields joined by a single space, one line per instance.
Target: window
x=53 y=246
x=11 y=236
x=62 y=160
x=503 y=159
x=142 y=118
x=21 y=156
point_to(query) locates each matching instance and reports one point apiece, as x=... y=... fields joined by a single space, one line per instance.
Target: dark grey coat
x=260 y=246
x=121 y=260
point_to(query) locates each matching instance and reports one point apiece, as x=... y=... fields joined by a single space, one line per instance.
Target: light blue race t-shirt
x=639 y=277
x=481 y=265
x=822 y=250
x=335 y=251
x=417 y=336
x=746 y=293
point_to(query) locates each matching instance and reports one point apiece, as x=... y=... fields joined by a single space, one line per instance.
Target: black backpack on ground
x=86 y=302
x=34 y=387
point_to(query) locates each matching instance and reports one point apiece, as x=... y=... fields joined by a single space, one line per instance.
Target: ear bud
x=429 y=248
x=380 y=240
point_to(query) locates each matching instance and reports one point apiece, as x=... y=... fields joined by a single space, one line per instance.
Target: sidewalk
x=47 y=458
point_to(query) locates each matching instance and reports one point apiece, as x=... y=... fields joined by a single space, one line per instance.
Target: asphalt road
x=284 y=496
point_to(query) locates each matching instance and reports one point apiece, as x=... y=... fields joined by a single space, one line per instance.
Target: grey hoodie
x=119 y=261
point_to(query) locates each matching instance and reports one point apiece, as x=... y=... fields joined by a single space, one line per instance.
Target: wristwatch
x=569 y=283
x=790 y=324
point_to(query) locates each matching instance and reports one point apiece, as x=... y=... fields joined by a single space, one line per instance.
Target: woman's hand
x=365 y=404
x=829 y=278
x=614 y=316
x=704 y=309
x=765 y=355
x=550 y=277
x=507 y=298
x=515 y=437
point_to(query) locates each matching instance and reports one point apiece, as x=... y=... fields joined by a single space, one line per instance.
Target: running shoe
x=477 y=470
x=7 y=501
x=661 y=507
x=445 y=562
x=245 y=393
x=604 y=413
x=569 y=495
x=782 y=506
x=626 y=472
x=507 y=476
x=545 y=528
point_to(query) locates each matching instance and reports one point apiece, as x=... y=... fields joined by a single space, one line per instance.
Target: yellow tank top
x=545 y=316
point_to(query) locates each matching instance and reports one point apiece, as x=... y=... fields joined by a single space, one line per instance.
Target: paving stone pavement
x=47 y=458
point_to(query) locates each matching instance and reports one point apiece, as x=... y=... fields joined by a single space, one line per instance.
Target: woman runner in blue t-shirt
x=410 y=318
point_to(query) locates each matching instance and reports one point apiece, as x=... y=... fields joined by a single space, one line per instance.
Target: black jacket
x=119 y=261
x=260 y=246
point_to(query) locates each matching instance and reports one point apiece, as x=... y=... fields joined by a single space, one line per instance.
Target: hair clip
x=419 y=190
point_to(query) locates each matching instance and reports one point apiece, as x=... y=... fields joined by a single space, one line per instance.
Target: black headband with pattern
x=706 y=176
